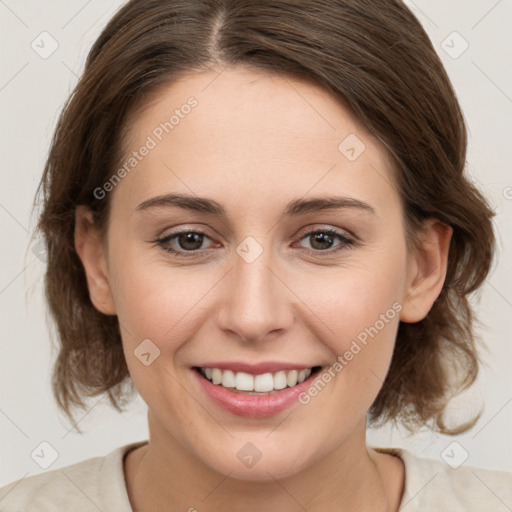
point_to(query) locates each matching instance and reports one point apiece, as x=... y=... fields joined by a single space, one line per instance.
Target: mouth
x=260 y=384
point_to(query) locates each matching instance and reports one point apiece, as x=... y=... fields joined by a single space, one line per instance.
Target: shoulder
x=68 y=487
x=432 y=484
x=93 y=484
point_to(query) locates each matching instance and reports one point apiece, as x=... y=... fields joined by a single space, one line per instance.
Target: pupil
x=190 y=238
x=323 y=238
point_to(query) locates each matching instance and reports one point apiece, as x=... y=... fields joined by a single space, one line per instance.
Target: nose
x=257 y=302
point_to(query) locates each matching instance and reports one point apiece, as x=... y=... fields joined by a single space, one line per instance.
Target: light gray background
x=32 y=92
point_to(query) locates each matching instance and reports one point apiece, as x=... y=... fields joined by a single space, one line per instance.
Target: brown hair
x=377 y=59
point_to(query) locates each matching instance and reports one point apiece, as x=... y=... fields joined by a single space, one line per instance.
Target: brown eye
x=189 y=241
x=322 y=241
x=183 y=242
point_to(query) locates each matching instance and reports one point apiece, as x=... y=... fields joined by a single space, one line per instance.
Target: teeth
x=228 y=379
x=280 y=380
x=216 y=376
x=291 y=379
x=244 y=381
x=262 y=383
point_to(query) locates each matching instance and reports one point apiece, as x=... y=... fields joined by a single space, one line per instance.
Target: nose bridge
x=256 y=299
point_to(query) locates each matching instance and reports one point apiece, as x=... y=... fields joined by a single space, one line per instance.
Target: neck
x=164 y=475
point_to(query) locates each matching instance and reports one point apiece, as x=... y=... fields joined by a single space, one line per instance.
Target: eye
x=188 y=243
x=322 y=240
x=183 y=242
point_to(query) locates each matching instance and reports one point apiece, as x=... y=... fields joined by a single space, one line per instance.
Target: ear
x=427 y=266
x=90 y=249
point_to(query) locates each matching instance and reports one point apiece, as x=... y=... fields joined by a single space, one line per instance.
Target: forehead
x=247 y=129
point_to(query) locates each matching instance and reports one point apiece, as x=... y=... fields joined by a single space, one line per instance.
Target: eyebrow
x=293 y=208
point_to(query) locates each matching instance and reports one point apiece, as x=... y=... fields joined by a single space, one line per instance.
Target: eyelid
x=167 y=238
x=299 y=235
x=347 y=241
x=310 y=229
x=346 y=238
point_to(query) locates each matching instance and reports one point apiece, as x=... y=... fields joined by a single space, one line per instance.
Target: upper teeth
x=260 y=383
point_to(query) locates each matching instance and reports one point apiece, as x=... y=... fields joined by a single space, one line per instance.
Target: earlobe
x=90 y=250
x=427 y=271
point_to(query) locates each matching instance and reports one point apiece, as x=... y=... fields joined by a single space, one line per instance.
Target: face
x=264 y=278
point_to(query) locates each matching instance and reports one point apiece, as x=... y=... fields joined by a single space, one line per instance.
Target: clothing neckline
x=114 y=493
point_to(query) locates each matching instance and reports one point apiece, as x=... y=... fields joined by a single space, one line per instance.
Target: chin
x=278 y=466
x=262 y=461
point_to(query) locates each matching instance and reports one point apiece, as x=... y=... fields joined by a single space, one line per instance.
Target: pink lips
x=253 y=406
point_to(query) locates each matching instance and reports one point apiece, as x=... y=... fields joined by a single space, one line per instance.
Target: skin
x=253 y=143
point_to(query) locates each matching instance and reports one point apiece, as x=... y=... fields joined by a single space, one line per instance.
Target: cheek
x=158 y=301
x=356 y=312
x=351 y=299
x=165 y=303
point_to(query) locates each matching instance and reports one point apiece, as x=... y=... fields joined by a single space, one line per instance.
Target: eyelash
x=346 y=242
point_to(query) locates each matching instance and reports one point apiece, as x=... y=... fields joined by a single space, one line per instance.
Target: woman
x=256 y=217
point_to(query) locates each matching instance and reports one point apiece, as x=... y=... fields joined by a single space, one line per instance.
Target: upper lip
x=255 y=369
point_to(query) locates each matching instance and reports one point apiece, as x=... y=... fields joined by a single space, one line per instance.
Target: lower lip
x=254 y=406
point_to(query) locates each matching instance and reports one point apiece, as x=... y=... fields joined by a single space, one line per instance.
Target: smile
x=258 y=384
x=254 y=391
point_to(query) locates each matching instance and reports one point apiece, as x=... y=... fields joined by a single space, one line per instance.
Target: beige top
x=98 y=484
